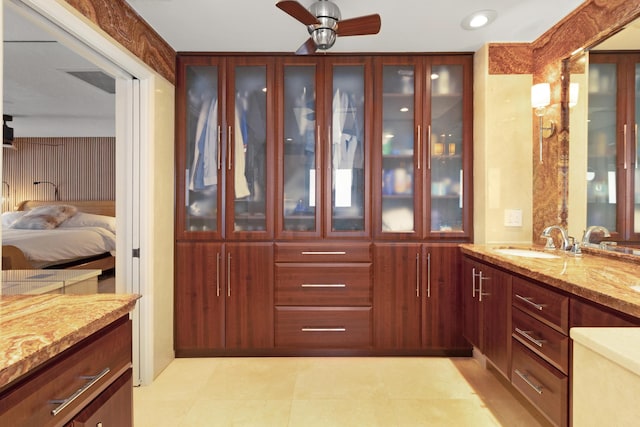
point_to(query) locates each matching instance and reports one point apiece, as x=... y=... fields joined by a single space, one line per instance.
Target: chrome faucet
x=586 y=238
x=566 y=243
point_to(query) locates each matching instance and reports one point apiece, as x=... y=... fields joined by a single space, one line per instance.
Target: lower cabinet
x=417 y=298
x=487 y=312
x=223 y=297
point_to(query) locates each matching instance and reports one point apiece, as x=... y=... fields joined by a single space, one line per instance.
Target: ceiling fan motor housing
x=328 y=15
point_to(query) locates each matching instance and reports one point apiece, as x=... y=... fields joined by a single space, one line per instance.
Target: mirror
x=599 y=187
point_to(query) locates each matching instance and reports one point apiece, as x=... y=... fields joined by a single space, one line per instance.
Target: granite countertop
x=620 y=345
x=612 y=282
x=35 y=328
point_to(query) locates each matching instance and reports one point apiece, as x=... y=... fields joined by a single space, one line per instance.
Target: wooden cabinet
x=613 y=196
x=223 y=297
x=417 y=297
x=323 y=297
x=487 y=312
x=87 y=381
x=296 y=153
x=422 y=153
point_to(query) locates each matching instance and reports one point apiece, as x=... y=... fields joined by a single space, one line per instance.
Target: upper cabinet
x=613 y=174
x=422 y=148
x=225 y=141
x=324 y=139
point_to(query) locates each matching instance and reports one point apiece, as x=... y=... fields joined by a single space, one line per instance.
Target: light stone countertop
x=620 y=345
x=612 y=282
x=35 y=328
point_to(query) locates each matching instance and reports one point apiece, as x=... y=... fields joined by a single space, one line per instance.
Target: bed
x=77 y=234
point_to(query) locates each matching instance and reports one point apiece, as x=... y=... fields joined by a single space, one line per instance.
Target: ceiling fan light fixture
x=324 y=38
x=479 y=19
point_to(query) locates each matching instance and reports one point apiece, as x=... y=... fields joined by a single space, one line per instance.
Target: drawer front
x=90 y=367
x=323 y=327
x=545 y=387
x=313 y=284
x=542 y=339
x=323 y=252
x=544 y=304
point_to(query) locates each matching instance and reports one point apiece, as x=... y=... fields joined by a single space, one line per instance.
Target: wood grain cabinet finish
x=55 y=393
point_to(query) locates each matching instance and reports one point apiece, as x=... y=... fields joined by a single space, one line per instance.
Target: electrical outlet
x=513 y=217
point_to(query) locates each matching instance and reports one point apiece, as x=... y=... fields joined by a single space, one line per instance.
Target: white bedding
x=47 y=247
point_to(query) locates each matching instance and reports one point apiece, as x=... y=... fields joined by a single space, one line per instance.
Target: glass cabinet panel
x=398 y=124
x=202 y=168
x=602 y=146
x=249 y=164
x=446 y=138
x=299 y=149
x=347 y=149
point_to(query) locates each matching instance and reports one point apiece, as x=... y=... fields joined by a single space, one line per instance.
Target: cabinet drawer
x=323 y=252
x=544 y=304
x=542 y=339
x=544 y=386
x=323 y=327
x=313 y=284
x=91 y=366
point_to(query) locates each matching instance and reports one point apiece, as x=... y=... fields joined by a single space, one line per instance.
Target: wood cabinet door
x=442 y=310
x=495 y=302
x=248 y=291
x=397 y=296
x=199 y=300
x=471 y=326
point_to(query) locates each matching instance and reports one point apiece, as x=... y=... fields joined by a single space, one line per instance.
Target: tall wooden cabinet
x=320 y=191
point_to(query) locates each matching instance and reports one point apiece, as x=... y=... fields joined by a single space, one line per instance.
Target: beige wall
x=502 y=153
x=577 y=200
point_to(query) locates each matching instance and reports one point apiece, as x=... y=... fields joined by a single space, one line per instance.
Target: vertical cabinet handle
x=473 y=282
x=429 y=275
x=228 y=275
x=418 y=275
x=429 y=147
x=624 y=140
x=480 y=293
x=218 y=274
x=229 y=158
x=419 y=147
x=219 y=147
x=636 y=144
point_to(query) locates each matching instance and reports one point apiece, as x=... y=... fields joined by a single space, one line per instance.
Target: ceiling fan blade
x=298 y=11
x=307 y=48
x=363 y=25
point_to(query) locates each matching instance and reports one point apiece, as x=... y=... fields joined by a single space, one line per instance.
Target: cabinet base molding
x=318 y=352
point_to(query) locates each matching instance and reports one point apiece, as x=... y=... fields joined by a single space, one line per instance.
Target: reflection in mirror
x=604 y=174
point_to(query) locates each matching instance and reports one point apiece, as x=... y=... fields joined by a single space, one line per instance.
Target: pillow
x=44 y=217
x=9 y=218
x=82 y=219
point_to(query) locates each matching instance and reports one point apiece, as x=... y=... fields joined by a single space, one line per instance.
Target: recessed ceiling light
x=479 y=19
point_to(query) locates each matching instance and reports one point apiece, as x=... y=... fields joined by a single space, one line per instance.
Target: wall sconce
x=574 y=89
x=540 y=99
x=56 y=194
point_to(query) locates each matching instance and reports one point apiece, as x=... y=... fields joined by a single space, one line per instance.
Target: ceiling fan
x=323 y=21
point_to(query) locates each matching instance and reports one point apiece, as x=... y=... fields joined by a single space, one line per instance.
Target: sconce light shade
x=540 y=95
x=574 y=89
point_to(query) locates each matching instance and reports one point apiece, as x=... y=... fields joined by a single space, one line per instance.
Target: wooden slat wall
x=83 y=169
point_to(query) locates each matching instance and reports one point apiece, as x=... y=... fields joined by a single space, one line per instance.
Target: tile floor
x=329 y=392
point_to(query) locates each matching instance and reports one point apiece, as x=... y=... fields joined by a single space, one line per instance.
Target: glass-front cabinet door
x=200 y=160
x=299 y=173
x=347 y=149
x=397 y=177
x=446 y=135
x=249 y=159
x=613 y=173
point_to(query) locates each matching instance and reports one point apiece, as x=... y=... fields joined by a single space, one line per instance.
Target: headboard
x=98 y=207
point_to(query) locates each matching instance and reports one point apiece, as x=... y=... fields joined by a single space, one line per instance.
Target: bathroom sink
x=526 y=253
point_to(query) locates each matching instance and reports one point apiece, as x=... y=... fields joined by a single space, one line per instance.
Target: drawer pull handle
x=63 y=403
x=525 y=378
x=324 y=329
x=323 y=285
x=527 y=335
x=529 y=301
x=324 y=253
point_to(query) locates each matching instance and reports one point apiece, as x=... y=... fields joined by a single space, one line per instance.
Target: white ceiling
x=37 y=90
